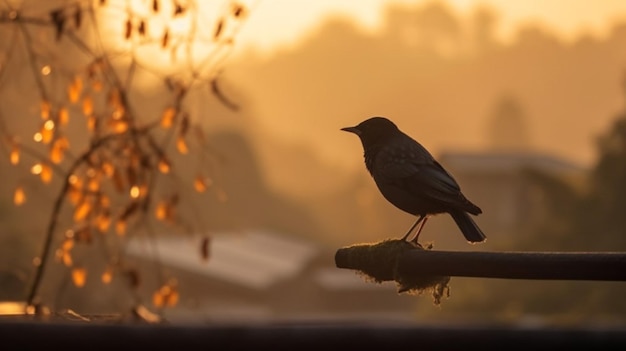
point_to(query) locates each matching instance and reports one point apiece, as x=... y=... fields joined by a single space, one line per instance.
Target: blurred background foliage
x=271 y=155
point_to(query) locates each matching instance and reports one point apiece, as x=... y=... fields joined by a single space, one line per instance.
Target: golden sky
x=273 y=25
x=282 y=22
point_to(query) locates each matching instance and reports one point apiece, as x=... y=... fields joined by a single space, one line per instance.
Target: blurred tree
x=433 y=28
x=580 y=217
x=602 y=215
x=508 y=129
x=589 y=217
x=104 y=85
x=484 y=22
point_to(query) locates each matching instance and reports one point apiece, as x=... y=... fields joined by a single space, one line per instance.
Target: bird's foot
x=415 y=242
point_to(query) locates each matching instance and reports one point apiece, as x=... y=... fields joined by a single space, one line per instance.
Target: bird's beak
x=354 y=130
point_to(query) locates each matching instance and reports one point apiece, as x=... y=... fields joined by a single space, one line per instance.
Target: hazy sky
x=282 y=22
x=274 y=24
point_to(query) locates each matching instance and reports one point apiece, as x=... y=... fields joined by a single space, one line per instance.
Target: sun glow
x=173 y=37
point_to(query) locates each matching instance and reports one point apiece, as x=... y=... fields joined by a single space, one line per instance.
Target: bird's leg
x=420 y=230
x=418 y=221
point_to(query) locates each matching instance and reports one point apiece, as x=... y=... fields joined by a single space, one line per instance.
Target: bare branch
x=411 y=266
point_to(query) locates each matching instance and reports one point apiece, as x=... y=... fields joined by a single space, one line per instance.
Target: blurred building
x=501 y=183
x=262 y=276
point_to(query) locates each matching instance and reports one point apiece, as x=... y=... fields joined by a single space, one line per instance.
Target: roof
x=253 y=259
x=507 y=161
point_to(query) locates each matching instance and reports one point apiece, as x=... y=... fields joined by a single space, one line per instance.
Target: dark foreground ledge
x=25 y=335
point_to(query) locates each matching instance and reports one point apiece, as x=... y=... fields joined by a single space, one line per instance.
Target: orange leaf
x=105 y=201
x=103 y=222
x=164 y=166
x=45 y=110
x=47 y=133
x=181 y=145
x=172 y=298
x=56 y=155
x=166 y=295
x=108 y=169
x=15 y=154
x=64 y=116
x=120 y=227
x=114 y=98
x=93 y=184
x=167 y=119
x=107 y=276
x=161 y=211
x=19 y=197
x=119 y=126
x=82 y=210
x=46 y=173
x=79 y=276
x=74 y=89
x=118 y=111
x=57 y=150
x=75 y=194
x=96 y=84
x=158 y=299
x=91 y=123
x=87 y=105
x=67 y=245
x=200 y=184
x=67 y=259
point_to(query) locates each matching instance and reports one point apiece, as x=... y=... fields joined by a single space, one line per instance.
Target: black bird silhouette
x=410 y=178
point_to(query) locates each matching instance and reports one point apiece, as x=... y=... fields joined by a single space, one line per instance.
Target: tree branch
x=400 y=261
x=608 y=266
x=54 y=217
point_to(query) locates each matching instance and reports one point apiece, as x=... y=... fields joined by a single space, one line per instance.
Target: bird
x=410 y=178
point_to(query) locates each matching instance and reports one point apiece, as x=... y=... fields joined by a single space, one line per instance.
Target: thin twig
x=56 y=209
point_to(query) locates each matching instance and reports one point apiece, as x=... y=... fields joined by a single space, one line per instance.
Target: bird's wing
x=419 y=173
x=402 y=160
x=433 y=178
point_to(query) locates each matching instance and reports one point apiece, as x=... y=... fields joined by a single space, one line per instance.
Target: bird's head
x=373 y=130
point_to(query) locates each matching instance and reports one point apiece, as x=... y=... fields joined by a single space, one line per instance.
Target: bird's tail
x=468 y=227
